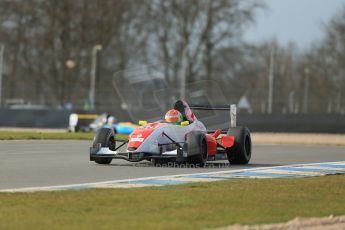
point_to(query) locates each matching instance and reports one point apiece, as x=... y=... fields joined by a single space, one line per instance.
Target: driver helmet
x=111 y=120
x=173 y=116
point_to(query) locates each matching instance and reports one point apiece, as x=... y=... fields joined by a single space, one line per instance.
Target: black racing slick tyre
x=105 y=137
x=241 y=152
x=196 y=148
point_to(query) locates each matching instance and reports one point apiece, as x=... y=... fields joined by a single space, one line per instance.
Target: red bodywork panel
x=141 y=133
x=227 y=141
x=217 y=133
x=211 y=145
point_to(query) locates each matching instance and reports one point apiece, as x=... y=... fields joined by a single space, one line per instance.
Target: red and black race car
x=188 y=141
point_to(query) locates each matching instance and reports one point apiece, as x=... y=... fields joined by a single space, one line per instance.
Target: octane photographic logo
x=171 y=164
x=147 y=93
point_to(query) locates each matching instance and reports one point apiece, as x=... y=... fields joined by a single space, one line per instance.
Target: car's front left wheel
x=105 y=137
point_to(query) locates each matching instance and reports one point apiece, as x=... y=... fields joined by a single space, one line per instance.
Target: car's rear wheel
x=105 y=137
x=241 y=152
x=196 y=148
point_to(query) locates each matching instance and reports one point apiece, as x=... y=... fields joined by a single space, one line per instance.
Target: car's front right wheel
x=196 y=148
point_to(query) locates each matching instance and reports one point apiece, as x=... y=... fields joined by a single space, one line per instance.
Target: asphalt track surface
x=48 y=163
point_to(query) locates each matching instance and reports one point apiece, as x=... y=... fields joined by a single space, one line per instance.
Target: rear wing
x=231 y=108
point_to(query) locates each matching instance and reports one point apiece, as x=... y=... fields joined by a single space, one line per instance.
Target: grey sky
x=300 y=21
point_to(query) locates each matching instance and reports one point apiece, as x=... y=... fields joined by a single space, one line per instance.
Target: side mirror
x=185 y=123
x=142 y=122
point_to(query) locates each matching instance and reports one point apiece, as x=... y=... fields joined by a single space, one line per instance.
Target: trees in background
x=42 y=37
x=49 y=48
x=327 y=61
x=194 y=32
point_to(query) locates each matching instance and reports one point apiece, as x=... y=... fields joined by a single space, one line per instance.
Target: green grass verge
x=191 y=206
x=11 y=135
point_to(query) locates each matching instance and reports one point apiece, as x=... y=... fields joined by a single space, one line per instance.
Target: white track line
x=138 y=182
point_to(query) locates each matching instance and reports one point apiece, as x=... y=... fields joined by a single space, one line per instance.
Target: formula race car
x=182 y=141
x=93 y=122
